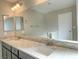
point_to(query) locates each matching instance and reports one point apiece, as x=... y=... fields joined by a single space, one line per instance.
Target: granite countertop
x=28 y=46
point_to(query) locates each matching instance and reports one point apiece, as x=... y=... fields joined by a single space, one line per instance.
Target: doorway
x=65 y=26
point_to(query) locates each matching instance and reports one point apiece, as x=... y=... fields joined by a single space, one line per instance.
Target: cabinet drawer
x=23 y=55
x=15 y=51
x=6 y=45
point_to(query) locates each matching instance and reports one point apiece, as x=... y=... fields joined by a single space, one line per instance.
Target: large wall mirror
x=13 y=23
x=57 y=19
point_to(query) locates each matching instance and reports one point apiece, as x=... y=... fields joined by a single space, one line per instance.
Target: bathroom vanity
x=53 y=20
x=27 y=49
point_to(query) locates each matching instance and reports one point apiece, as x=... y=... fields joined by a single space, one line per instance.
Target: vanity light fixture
x=17 y=5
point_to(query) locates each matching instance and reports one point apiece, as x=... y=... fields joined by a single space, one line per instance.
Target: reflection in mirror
x=11 y=25
x=19 y=23
x=8 y=23
x=60 y=19
x=67 y=24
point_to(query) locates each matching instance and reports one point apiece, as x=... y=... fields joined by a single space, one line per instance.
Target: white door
x=65 y=26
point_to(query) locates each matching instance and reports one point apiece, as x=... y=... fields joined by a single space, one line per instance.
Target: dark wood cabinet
x=9 y=52
x=4 y=53
x=23 y=55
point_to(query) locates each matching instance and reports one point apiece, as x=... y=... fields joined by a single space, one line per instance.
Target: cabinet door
x=15 y=51
x=4 y=53
x=23 y=55
x=14 y=57
x=8 y=54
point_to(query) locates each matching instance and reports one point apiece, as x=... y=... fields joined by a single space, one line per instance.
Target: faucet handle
x=49 y=35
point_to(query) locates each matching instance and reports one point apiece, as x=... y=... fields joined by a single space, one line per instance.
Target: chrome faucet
x=49 y=36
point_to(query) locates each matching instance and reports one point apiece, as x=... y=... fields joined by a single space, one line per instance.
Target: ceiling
x=52 y=5
x=45 y=6
x=11 y=1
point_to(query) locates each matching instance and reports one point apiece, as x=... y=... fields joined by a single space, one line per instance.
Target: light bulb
x=18 y=5
x=12 y=9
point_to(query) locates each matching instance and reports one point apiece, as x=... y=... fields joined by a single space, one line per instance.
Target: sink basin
x=45 y=50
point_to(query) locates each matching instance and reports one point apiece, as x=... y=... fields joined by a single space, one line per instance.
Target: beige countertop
x=21 y=43
x=28 y=46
